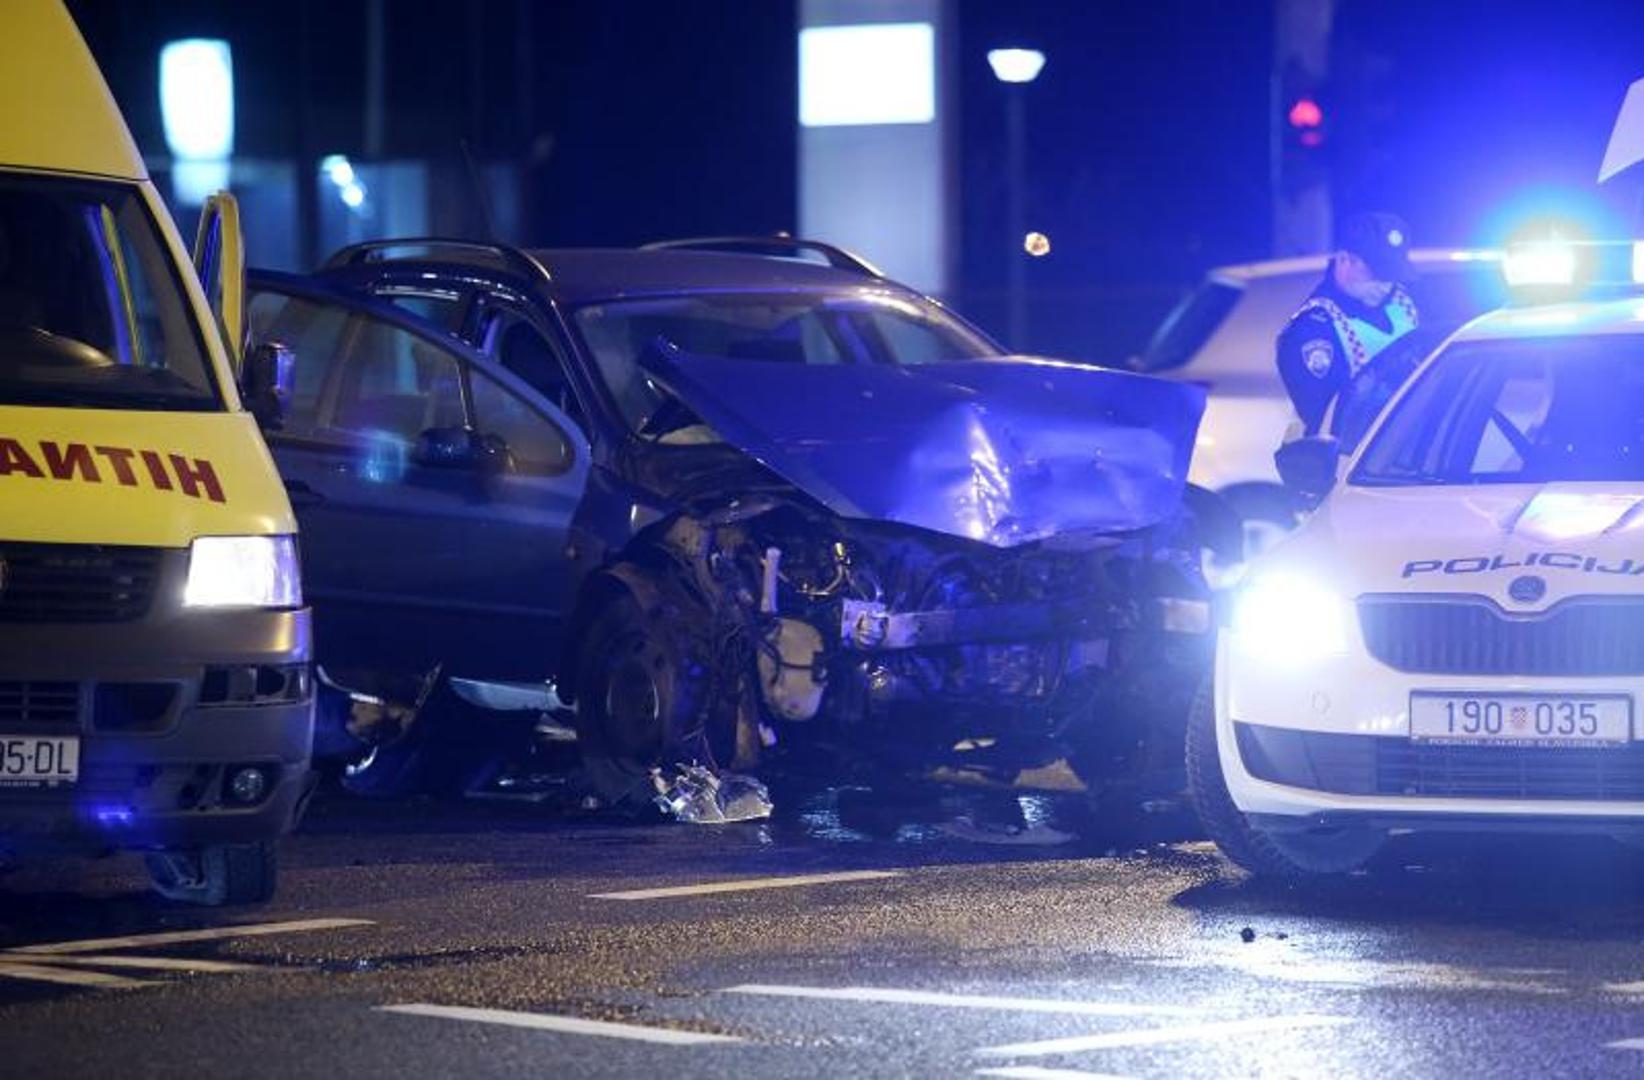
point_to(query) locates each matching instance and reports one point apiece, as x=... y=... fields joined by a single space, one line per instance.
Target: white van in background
x=1222 y=336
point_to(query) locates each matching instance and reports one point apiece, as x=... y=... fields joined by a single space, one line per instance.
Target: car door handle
x=301 y=494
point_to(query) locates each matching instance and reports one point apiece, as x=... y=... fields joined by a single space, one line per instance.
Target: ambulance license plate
x=30 y=761
x=1551 y=720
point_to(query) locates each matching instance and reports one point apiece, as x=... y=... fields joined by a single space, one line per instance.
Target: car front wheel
x=645 y=699
x=1265 y=854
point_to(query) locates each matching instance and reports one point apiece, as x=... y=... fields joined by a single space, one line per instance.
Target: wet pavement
x=419 y=938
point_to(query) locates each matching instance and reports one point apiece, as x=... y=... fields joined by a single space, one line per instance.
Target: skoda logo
x=1527 y=589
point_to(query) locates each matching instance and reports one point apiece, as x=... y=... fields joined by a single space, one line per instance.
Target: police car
x=1455 y=639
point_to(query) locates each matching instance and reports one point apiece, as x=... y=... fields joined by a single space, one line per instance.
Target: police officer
x=1331 y=344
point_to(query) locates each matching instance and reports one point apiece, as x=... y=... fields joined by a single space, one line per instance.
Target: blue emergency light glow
x=1541 y=263
x=877 y=73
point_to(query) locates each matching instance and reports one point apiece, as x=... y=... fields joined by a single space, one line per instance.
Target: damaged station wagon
x=737 y=495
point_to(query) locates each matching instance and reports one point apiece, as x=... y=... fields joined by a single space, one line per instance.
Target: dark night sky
x=1148 y=131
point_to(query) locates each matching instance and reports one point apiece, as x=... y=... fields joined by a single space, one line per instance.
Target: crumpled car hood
x=1003 y=451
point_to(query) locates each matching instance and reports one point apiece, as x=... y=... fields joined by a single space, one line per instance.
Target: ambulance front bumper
x=184 y=731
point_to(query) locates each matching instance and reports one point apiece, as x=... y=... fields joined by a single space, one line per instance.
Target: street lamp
x=1016 y=68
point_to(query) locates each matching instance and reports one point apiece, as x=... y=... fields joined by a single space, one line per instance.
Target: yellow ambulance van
x=155 y=685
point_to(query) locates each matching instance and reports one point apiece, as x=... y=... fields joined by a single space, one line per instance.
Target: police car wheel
x=1281 y=855
x=217 y=875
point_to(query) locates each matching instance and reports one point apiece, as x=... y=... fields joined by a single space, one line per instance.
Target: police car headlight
x=1290 y=618
x=243 y=571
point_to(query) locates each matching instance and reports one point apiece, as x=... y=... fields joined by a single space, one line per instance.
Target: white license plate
x=38 y=760
x=1522 y=719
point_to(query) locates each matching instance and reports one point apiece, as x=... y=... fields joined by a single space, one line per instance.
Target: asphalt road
x=422 y=939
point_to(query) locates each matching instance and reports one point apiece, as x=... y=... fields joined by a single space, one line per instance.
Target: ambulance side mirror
x=266 y=380
x=1308 y=467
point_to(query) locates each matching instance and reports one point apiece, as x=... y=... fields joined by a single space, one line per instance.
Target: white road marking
x=43 y=973
x=748 y=884
x=1152 y=1036
x=885 y=996
x=147 y=963
x=570 y=1025
x=1626 y=1044
x=1039 y=1072
x=178 y=937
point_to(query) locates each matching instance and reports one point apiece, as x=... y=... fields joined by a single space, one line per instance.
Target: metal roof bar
x=377 y=251
x=781 y=246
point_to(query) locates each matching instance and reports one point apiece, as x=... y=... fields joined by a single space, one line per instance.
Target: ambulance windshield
x=91 y=312
x=1518 y=412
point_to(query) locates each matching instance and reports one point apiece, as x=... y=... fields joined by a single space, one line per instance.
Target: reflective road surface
x=444 y=939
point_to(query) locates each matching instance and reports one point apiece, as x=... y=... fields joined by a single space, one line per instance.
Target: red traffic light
x=1305 y=114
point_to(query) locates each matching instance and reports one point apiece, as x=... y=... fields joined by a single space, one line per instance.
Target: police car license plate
x=28 y=761
x=1551 y=720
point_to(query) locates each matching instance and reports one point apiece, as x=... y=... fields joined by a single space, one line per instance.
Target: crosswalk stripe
x=69 y=976
x=569 y=1025
x=179 y=937
x=1152 y=1036
x=747 y=885
x=887 y=996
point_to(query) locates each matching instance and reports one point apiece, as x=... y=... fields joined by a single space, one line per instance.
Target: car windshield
x=1189 y=325
x=1513 y=412
x=784 y=328
x=92 y=314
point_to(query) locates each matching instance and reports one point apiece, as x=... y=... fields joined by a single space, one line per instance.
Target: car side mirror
x=266 y=379
x=460 y=448
x=1308 y=467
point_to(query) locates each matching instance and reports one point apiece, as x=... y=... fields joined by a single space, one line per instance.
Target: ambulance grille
x=46 y=705
x=1464 y=635
x=41 y=583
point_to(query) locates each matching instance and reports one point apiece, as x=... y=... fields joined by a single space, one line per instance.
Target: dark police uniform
x=1333 y=340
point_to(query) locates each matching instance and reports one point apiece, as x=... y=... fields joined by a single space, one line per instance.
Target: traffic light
x=1302 y=129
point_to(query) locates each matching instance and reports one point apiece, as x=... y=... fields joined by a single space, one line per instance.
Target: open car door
x=434 y=490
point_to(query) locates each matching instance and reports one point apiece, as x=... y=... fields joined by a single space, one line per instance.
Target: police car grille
x=1509 y=772
x=1467 y=636
x=76 y=582
x=1382 y=765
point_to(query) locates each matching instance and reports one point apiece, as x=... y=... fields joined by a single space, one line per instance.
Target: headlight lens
x=243 y=571
x=1289 y=618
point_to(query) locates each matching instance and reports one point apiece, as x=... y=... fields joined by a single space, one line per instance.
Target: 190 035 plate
x=31 y=761
x=1522 y=719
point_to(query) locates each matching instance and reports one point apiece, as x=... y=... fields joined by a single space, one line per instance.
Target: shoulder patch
x=1317 y=355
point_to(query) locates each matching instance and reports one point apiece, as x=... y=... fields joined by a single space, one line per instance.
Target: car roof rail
x=778 y=246
x=377 y=251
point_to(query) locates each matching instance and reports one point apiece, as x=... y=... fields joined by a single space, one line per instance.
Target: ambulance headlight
x=243 y=571
x=1290 y=618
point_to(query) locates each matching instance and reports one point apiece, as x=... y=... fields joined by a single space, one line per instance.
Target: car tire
x=642 y=698
x=217 y=875
x=1265 y=854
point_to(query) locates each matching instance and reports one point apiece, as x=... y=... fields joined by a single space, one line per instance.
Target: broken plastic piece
x=697 y=795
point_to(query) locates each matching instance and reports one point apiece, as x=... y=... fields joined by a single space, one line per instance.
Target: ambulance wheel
x=1265 y=854
x=217 y=875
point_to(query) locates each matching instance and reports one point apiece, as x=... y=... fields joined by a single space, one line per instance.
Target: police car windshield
x=1516 y=412
x=91 y=312
x=773 y=328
